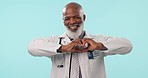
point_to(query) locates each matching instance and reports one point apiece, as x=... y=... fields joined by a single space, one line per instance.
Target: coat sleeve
x=115 y=45
x=44 y=46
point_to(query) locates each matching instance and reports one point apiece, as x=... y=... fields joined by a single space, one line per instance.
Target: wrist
x=99 y=46
x=62 y=48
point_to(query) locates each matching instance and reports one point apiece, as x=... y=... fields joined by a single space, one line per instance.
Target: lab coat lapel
x=65 y=39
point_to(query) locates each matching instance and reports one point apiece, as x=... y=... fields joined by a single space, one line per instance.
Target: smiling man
x=77 y=54
x=74 y=18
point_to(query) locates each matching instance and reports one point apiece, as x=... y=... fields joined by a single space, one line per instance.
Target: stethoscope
x=61 y=64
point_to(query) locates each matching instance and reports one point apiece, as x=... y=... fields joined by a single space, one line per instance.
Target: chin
x=74 y=34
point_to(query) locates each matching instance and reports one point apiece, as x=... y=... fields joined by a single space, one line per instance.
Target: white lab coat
x=90 y=68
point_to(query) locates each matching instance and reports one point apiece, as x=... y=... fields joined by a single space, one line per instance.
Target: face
x=73 y=19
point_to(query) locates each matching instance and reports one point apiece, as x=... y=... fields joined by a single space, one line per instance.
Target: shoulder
x=97 y=36
x=48 y=39
x=52 y=38
x=100 y=37
x=94 y=35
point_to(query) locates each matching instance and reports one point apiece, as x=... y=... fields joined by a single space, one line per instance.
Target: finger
x=72 y=51
x=78 y=51
x=78 y=41
x=86 y=45
x=76 y=47
x=84 y=41
x=85 y=50
x=81 y=51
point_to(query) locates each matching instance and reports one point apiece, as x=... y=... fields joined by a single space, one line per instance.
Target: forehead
x=71 y=11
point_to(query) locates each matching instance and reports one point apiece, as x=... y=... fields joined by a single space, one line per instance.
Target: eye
x=77 y=17
x=66 y=18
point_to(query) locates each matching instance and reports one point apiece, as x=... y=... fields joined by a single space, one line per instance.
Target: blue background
x=24 y=20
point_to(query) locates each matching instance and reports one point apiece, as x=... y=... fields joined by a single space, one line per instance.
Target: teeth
x=76 y=24
x=73 y=27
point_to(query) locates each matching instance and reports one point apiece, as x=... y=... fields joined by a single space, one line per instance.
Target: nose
x=72 y=21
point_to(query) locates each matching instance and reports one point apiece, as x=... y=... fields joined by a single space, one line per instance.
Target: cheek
x=65 y=23
x=79 y=21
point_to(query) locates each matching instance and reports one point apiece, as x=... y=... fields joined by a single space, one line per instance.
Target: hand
x=71 y=47
x=92 y=45
x=87 y=44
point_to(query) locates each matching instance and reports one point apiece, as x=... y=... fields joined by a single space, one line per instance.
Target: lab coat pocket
x=60 y=72
x=93 y=65
x=59 y=60
x=96 y=68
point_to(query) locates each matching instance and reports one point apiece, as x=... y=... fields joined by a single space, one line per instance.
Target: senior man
x=77 y=54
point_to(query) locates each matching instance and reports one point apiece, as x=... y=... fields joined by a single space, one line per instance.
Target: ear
x=84 y=17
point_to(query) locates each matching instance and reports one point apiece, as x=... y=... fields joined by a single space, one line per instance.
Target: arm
x=44 y=46
x=115 y=45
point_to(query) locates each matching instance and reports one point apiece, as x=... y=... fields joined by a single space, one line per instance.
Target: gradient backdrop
x=24 y=20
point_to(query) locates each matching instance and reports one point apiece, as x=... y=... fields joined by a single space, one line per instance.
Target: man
x=77 y=54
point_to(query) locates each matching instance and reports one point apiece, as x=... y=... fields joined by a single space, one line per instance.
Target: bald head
x=73 y=7
x=74 y=4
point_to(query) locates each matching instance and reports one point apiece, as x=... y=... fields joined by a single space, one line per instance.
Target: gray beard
x=76 y=34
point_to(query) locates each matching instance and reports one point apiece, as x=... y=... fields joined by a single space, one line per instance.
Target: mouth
x=74 y=27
